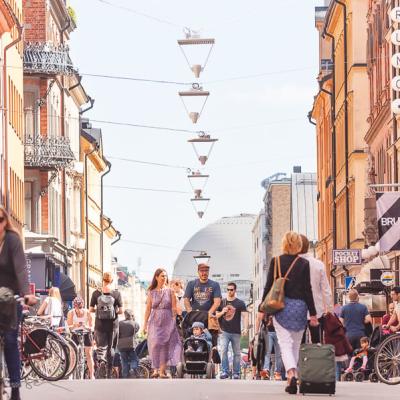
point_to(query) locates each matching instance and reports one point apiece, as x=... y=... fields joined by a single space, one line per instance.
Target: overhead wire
x=145 y=189
x=140 y=13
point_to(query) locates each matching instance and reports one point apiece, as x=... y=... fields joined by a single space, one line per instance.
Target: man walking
x=354 y=316
x=204 y=294
x=230 y=317
x=107 y=303
x=320 y=288
x=128 y=329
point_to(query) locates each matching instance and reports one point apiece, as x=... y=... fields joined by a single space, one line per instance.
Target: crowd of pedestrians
x=220 y=319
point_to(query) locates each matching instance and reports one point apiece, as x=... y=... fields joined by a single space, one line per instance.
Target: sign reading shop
x=346 y=257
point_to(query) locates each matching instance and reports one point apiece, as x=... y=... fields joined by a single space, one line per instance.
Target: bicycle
x=387 y=360
x=80 y=333
x=46 y=352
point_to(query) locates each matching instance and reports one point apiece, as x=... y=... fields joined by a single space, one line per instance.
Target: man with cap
x=203 y=294
x=128 y=329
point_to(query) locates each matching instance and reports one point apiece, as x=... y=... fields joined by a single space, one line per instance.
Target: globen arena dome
x=228 y=242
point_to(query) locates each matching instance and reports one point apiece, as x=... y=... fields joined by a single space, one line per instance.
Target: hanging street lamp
x=203 y=145
x=198 y=181
x=196 y=50
x=200 y=204
x=202 y=258
x=194 y=101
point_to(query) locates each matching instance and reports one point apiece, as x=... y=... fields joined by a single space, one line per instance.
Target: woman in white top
x=52 y=307
x=80 y=317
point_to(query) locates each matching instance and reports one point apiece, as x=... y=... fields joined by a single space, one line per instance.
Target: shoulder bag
x=275 y=299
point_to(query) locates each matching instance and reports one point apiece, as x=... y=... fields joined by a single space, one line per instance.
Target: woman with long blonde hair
x=51 y=307
x=13 y=276
x=291 y=322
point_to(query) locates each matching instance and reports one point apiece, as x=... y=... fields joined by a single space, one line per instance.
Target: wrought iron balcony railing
x=48 y=152
x=46 y=58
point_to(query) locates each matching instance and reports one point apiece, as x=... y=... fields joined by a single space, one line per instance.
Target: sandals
x=164 y=377
x=155 y=375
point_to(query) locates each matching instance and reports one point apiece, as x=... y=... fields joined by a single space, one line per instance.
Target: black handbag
x=8 y=310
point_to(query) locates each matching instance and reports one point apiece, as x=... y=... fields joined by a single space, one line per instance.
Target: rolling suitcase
x=317 y=369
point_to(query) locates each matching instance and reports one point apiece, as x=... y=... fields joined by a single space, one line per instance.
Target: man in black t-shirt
x=230 y=319
x=107 y=303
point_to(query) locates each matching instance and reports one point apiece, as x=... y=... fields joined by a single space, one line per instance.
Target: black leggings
x=106 y=343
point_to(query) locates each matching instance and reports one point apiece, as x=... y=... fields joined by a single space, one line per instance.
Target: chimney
x=297 y=169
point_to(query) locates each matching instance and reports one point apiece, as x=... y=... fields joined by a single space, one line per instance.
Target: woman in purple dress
x=164 y=343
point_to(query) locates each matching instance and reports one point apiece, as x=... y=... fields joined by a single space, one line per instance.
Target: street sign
x=346 y=257
x=349 y=282
x=388 y=278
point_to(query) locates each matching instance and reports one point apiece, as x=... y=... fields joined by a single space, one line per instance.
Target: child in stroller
x=361 y=364
x=197 y=352
x=196 y=345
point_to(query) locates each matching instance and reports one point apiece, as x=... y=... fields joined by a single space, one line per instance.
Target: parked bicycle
x=45 y=350
x=387 y=360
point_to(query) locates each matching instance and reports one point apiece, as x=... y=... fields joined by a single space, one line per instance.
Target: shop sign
x=388 y=278
x=346 y=257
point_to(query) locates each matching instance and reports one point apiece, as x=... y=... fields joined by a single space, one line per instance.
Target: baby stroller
x=195 y=363
x=359 y=375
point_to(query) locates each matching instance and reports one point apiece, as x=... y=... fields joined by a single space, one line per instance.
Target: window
x=29 y=211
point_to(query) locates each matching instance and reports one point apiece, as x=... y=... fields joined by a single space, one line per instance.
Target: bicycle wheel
x=52 y=363
x=73 y=357
x=79 y=372
x=141 y=372
x=387 y=360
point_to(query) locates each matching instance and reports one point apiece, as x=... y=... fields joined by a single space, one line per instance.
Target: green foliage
x=72 y=14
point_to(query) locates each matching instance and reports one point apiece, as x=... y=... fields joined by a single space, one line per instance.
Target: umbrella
x=67 y=288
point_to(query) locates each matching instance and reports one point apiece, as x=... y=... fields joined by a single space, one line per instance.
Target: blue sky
x=261 y=122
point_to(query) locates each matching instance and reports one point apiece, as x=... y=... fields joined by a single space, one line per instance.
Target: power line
x=141 y=14
x=148 y=163
x=145 y=189
x=160 y=245
x=130 y=78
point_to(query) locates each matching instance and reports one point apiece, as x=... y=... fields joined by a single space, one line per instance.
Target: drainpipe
x=395 y=152
x=333 y=123
x=62 y=105
x=87 y=222
x=102 y=216
x=119 y=235
x=309 y=116
x=5 y=108
x=89 y=107
x=346 y=122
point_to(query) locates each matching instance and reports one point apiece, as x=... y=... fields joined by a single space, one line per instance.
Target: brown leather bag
x=275 y=299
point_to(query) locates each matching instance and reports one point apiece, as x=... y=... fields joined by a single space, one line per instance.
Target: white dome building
x=228 y=242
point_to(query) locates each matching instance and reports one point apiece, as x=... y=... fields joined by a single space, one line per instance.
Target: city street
x=191 y=390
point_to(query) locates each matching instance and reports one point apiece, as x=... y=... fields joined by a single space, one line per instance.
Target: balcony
x=47 y=153
x=46 y=58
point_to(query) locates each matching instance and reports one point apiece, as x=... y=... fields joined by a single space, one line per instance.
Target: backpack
x=105 y=309
x=275 y=299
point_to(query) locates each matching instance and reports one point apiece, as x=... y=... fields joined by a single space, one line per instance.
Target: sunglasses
x=230 y=290
x=2 y=219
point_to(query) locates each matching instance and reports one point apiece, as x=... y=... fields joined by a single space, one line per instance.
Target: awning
x=67 y=288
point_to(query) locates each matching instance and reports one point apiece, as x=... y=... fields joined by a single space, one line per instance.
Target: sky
x=260 y=119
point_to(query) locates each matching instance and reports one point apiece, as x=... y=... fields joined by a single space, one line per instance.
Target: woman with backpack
x=291 y=320
x=107 y=304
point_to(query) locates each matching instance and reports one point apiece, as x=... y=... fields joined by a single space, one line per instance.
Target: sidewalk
x=188 y=389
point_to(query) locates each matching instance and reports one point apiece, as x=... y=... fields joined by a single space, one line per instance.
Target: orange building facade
x=340 y=113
